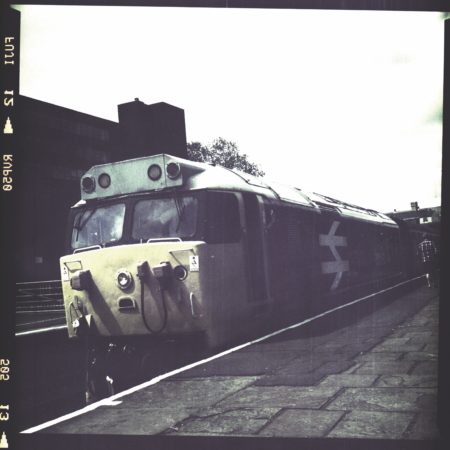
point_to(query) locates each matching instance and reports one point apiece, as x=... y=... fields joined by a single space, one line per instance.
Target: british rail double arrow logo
x=338 y=266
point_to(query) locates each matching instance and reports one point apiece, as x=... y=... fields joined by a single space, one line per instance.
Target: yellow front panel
x=101 y=302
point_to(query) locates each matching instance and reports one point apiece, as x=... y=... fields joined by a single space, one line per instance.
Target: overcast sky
x=344 y=103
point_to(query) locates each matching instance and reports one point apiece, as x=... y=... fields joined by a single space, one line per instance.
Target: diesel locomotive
x=165 y=248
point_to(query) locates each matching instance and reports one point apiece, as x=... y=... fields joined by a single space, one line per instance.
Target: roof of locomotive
x=164 y=172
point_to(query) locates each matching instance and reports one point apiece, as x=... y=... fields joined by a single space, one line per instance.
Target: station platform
x=371 y=374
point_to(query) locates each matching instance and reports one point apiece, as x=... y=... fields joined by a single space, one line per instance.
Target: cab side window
x=222 y=218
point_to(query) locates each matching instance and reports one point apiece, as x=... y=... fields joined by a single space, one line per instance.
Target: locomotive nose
x=127 y=290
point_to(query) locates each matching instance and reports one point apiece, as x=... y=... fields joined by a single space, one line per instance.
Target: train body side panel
x=225 y=292
x=319 y=261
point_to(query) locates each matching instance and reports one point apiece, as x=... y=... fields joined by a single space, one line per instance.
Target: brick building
x=56 y=146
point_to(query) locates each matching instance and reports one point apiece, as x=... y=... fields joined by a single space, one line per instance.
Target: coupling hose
x=164 y=323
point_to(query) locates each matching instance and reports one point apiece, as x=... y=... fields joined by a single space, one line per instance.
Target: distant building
x=429 y=219
x=56 y=146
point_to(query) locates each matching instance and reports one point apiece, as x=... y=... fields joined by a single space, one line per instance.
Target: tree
x=223 y=153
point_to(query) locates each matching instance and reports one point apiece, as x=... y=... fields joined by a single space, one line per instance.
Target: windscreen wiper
x=180 y=210
x=80 y=225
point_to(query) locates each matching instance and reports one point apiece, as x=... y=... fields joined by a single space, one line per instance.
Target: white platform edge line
x=110 y=401
x=41 y=330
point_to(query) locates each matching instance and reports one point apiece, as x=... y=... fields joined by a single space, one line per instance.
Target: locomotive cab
x=149 y=252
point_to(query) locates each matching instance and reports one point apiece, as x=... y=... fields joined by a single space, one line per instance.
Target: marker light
x=124 y=279
x=88 y=184
x=81 y=280
x=173 y=170
x=154 y=172
x=104 y=180
x=180 y=272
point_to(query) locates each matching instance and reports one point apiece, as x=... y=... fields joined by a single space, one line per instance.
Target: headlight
x=180 y=272
x=154 y=172
x=104 y=180
x=124 y=279
x=88 y=184
x=173 y=170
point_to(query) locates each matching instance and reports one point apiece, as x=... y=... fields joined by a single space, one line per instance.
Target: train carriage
x=161 y=246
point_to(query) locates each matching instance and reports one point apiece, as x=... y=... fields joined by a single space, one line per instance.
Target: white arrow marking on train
x=338 y=266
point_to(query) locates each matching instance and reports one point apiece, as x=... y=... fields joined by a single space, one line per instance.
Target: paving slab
x=372 y=424
x=385 y=399
x=432 y=347
x=424 y=336
x=426 y=381
x=398 y=345
x=302 y=365
x=301 y=373
x=384 y=367
x=402 y=330
x=281 y=397
x=425 y=368
x=349 y=380
x=301 y=379
x=376 y=357
x=420 y=322
x=188 y=393
x=238 y=422
x=241 y=364
x=124 y=420
x=352 y=347
x=424 y=356
x=302 y=423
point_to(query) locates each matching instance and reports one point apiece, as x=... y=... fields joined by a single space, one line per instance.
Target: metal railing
x=39 y=296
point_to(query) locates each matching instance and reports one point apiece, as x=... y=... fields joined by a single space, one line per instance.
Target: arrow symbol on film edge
x=8 y=129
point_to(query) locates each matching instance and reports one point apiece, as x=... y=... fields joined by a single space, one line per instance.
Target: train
x=163 y=248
